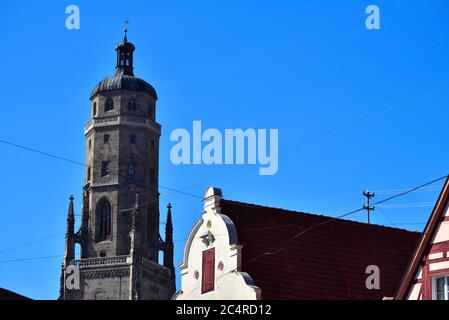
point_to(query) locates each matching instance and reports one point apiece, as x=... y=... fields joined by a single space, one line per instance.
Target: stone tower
x=119 y=230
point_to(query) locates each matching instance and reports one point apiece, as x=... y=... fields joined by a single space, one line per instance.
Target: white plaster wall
x=439 y=266
x=442 y=233
x=414 y=293
x=437 y=255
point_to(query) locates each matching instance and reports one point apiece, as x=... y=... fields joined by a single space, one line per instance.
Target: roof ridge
x=288 y=211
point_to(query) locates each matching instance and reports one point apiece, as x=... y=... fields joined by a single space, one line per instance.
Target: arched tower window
x=132 y=105
x=94 y=109
x=109 y=104
x=103 y=229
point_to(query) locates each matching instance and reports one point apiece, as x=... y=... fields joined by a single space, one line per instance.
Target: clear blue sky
x=303 y=67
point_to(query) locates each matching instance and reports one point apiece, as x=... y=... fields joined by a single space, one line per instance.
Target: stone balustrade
x=117 y=260
x=121 y=120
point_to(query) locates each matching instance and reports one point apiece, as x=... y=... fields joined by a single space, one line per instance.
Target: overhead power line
x=410 y=205
x=54 y=156
x=344 y=125
x=296 y=236
x=308 y=140
x=30 y=259
x=386 y=216
x=47 y=154
x=317 y=225
x=372 y=113
x=391 y=191
x=31 y=242
x=324 y=133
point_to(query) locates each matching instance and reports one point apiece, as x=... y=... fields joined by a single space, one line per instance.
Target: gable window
x=104 y=168
x=441 y=288
x=208 y=271
x=103 y=220
x=106 y=138
x=109 y=104
x=131 y=170
x=132 y=139
x=132 y=105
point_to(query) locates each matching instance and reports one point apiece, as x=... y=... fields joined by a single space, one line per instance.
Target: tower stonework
x=119 y=231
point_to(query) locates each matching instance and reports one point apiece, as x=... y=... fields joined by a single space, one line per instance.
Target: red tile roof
x=328 y=262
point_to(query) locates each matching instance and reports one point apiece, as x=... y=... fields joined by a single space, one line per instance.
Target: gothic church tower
x=119 y=232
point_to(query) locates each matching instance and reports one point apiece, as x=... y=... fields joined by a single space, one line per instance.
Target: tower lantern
x=125 y=51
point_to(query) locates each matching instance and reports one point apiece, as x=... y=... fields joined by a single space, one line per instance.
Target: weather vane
x=125 y=30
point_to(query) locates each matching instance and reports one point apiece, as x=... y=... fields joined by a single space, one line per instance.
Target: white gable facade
x=212 y=258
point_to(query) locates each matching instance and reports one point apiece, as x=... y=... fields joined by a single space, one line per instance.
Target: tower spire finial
x=168 y=250
x=70 y=234
x=125 y=30
x=169 y=224
x=70 y=218
x=125 y=54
